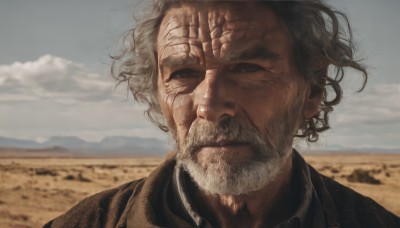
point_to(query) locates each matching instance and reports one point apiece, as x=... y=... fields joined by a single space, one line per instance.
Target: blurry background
x=55 y=85
x=57 y=97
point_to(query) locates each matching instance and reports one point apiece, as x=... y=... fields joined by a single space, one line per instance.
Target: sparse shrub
x=323 y=168
x=69 y=177
x=82 y=178
x=45 y=172
x=16 y=188
x=105 y=166
x=334 y=170
x=23 y=196
x=362 y=176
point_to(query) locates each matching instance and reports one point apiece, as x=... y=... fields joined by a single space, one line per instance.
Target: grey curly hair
x=321 y=38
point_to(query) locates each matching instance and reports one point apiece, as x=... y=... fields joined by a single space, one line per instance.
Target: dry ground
x=34 y=190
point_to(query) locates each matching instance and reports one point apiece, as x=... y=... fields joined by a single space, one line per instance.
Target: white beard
x=222 y=178
x=216 y=175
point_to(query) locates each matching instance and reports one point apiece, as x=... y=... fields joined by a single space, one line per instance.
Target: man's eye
x=184 y=73
x=247 y=68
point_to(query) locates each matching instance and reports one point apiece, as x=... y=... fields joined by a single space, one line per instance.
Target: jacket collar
x=309 y=210
x=164 y=201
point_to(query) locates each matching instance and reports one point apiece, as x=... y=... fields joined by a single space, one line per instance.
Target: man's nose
x=215 y=100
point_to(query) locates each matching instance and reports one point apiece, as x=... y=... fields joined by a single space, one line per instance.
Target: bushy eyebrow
x=258 y=52
x=178 y=60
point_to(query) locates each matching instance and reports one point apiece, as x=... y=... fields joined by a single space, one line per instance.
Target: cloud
x=54 y=96
x=378 y=105
x=367 y=119
x=52 y=78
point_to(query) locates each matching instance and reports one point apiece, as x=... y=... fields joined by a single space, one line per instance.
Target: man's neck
x=265 y=207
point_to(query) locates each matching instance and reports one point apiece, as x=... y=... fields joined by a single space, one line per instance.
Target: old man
x=234 y=82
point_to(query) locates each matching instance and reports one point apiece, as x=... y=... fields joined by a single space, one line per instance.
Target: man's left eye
x=247 y=68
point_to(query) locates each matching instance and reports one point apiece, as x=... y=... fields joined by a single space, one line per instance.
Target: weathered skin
x=228 y=61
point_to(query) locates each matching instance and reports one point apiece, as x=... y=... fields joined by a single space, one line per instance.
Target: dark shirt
x=160 y=200
x=309 y=212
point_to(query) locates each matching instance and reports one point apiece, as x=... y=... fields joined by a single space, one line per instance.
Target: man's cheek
x=183 y=114
x=166 y=102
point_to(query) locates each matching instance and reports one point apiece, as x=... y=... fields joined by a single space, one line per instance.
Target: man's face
x=229 y=91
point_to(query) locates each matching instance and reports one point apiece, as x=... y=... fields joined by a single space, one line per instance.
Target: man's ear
x=312 y=101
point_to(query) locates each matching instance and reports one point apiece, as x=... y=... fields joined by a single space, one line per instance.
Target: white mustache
x=204 y=133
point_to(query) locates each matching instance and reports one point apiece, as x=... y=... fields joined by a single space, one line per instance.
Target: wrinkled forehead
x=219 y=30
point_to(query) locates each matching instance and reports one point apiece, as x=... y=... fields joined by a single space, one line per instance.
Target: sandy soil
x=35 y=190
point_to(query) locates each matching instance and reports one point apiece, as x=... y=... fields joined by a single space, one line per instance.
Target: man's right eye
x=184 y=74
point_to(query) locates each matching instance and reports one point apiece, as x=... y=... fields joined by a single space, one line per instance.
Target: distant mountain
x=113 y=145
x=71 y=142
x=125 y=144
x=141 y=146
x=339 y=148
x=20 y=143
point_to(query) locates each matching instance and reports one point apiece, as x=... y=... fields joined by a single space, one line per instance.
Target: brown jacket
x=147 y=203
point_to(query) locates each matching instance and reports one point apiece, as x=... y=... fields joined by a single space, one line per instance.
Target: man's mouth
x=225 y=144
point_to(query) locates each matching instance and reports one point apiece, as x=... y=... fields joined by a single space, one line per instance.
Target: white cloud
x=52 y=78
x=54 y=96
x=369 y=119
x=378 y=105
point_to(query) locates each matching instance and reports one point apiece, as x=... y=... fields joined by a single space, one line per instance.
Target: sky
x=55 y=80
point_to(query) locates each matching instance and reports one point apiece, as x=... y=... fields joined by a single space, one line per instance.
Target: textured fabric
x=151 y=202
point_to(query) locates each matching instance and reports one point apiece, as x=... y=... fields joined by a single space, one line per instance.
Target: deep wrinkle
x=265 y=80
x=252 y=84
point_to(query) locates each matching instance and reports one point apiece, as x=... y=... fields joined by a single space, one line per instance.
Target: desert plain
x=36 y=188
